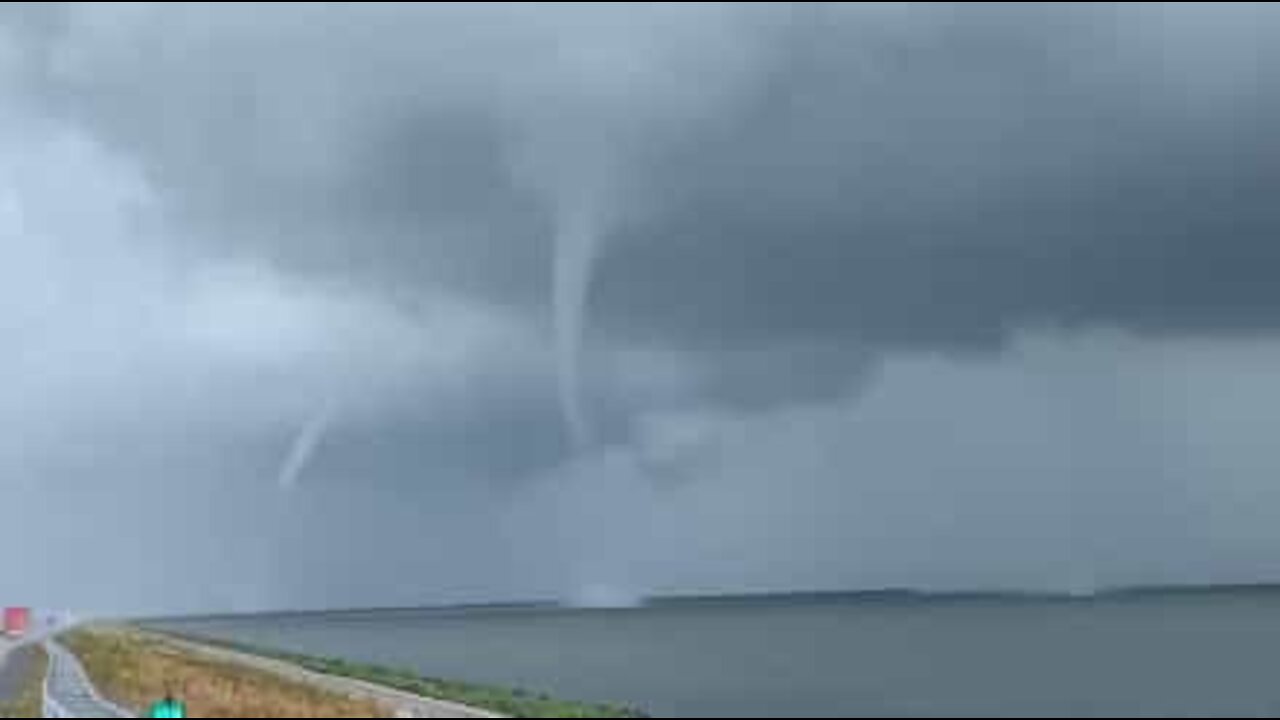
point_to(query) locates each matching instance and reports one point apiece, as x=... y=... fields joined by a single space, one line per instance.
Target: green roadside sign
x=168 y=708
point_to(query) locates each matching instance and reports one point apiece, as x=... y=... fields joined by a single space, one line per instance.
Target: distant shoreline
x=743 y=599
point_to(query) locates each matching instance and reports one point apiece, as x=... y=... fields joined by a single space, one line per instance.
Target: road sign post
x=168 y=708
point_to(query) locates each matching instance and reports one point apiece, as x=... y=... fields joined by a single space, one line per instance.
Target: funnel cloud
x=577 y=246
x=624 y=299
x=305 y=446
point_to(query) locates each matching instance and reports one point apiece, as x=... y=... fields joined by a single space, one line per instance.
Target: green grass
x=514 y=703
x=511 y=703
x=135 y=670
x=29 y=700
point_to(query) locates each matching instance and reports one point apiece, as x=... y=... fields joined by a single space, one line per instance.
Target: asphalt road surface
x=15 y=663
x=70 y=688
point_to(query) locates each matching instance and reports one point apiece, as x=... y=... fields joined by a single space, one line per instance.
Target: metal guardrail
x=68 y=692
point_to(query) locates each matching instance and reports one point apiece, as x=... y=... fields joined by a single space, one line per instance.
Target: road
x=70 y=694
x=73 y=696
x=13 y=668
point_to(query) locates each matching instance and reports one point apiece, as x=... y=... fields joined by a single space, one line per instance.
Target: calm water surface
x=1148 y=655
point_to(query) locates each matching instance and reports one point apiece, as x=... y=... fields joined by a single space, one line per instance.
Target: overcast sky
x=329 y=305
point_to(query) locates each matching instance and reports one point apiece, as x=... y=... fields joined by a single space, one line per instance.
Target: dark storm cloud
x=1011 y=170
x=354 y=206
x=888 y=177
x=477 y=435
x=798 y=189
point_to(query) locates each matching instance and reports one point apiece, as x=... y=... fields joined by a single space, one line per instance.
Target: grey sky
x=887 y=293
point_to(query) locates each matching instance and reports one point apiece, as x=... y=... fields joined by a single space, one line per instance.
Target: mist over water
x=605 y=597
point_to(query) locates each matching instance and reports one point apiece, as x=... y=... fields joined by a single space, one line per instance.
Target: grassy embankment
x=29 y=700
x=134 y=671
x=509 y=703
x=132 y=667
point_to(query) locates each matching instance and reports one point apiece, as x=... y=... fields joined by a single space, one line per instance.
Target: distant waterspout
x=305 y=446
